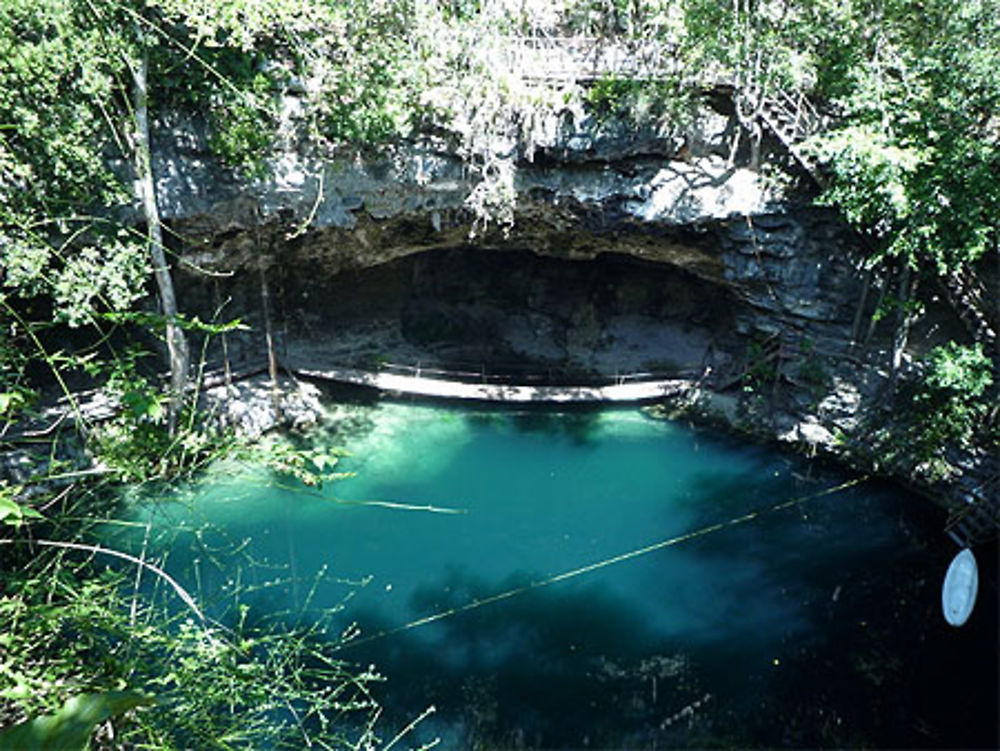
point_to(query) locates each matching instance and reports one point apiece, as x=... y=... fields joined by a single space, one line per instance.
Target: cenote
x=489 y=563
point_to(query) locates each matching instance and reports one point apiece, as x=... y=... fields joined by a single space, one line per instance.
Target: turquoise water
x=815 y=624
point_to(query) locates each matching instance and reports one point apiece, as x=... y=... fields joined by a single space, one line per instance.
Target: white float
x=958 y=595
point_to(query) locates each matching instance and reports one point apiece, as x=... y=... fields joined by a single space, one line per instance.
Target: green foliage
x=232 y=87
x=634 y=102
x=460 y=10
x=137 y=447
x=872 y=170
x=12 y=512
x=53 y=76
x=243 y=136
x=103 y=271
x=761 y=366
x=364 y=92
x=309 y=466
x=14 y=400
x=609 y=95
x=943 y=410
x=135 y=444
x=356 y=56
x=83 y=645
x=956 y=372
x=622 y=18
x=916 y=147
x=16 y=392
x=58 y=83
x=156 y=322
x=70 y=728
x=916 y=157
x=759 y=44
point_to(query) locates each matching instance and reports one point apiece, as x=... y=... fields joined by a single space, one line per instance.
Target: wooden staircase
x=978 y=521
x=792 y=118
x=970 y=301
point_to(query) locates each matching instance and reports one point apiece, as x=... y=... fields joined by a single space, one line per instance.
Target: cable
x=506 y=595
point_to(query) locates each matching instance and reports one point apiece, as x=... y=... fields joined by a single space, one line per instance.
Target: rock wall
x=627 y=253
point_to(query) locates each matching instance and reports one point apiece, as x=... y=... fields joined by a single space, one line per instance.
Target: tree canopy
x=909 y=91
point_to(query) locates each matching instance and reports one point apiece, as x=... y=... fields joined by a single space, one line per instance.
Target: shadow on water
x=579 y=666
x=814 y=626
x=877 y=665
x=554 y=668
x=890 y=672
x=579 y=426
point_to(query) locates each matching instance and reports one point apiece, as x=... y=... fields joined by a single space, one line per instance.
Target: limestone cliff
x=628 y=252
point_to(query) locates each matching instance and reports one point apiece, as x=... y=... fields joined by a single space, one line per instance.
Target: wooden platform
x=629 y=391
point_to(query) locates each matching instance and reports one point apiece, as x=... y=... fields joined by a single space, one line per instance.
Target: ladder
x=978 y=521
x=970 y=302
x=792 y=118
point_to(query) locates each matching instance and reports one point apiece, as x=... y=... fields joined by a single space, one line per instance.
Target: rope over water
x=636 y=553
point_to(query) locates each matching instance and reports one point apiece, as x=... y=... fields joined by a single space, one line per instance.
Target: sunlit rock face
x=630 y=251
x=670 y=199
x=666 y=176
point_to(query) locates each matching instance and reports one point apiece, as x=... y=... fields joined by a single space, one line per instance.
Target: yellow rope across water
x=508 y=594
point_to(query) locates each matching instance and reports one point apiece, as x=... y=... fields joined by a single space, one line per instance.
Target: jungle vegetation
x=909 y=153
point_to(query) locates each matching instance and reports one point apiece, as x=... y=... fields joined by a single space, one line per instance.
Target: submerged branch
x=402 y=506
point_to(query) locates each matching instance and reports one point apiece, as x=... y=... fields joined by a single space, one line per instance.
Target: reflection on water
x=816 y=624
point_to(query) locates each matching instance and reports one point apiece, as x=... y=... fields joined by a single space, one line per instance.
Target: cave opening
x=505 y=311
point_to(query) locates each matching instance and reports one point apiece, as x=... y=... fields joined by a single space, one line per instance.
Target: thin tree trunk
x=282 y=314
x=272 y=360
x=756 y=136
x=903 y=320
x=226 y=367
x=177 y=346
x=856 y=325
x=873 y=318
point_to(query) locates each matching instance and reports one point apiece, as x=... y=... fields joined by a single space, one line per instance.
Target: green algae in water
x=806 y=626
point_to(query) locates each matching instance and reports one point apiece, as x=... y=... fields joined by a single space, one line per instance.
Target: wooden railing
x=978 y=521
x=973 y=305
x=510 y=374
x=789 y=115
x=579 y=58
x=792 y=113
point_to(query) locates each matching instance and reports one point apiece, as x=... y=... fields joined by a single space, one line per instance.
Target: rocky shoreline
x=630 y=252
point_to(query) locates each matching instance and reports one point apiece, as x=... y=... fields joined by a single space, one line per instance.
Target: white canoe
x=958 y=595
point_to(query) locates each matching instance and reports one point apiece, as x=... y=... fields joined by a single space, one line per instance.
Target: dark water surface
x=815 y=625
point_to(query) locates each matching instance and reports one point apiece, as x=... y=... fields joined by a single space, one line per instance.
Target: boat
x=958 y=595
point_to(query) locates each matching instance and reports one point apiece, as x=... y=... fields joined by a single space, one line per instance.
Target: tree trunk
x=859 y=313
x=873 y=318
x=177 y=346
x=226 y=368
x=756 y=136
x=903 y=320
x=272 y=360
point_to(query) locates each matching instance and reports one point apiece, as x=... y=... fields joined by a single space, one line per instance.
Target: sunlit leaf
x=13 y=513
x=70 y=728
